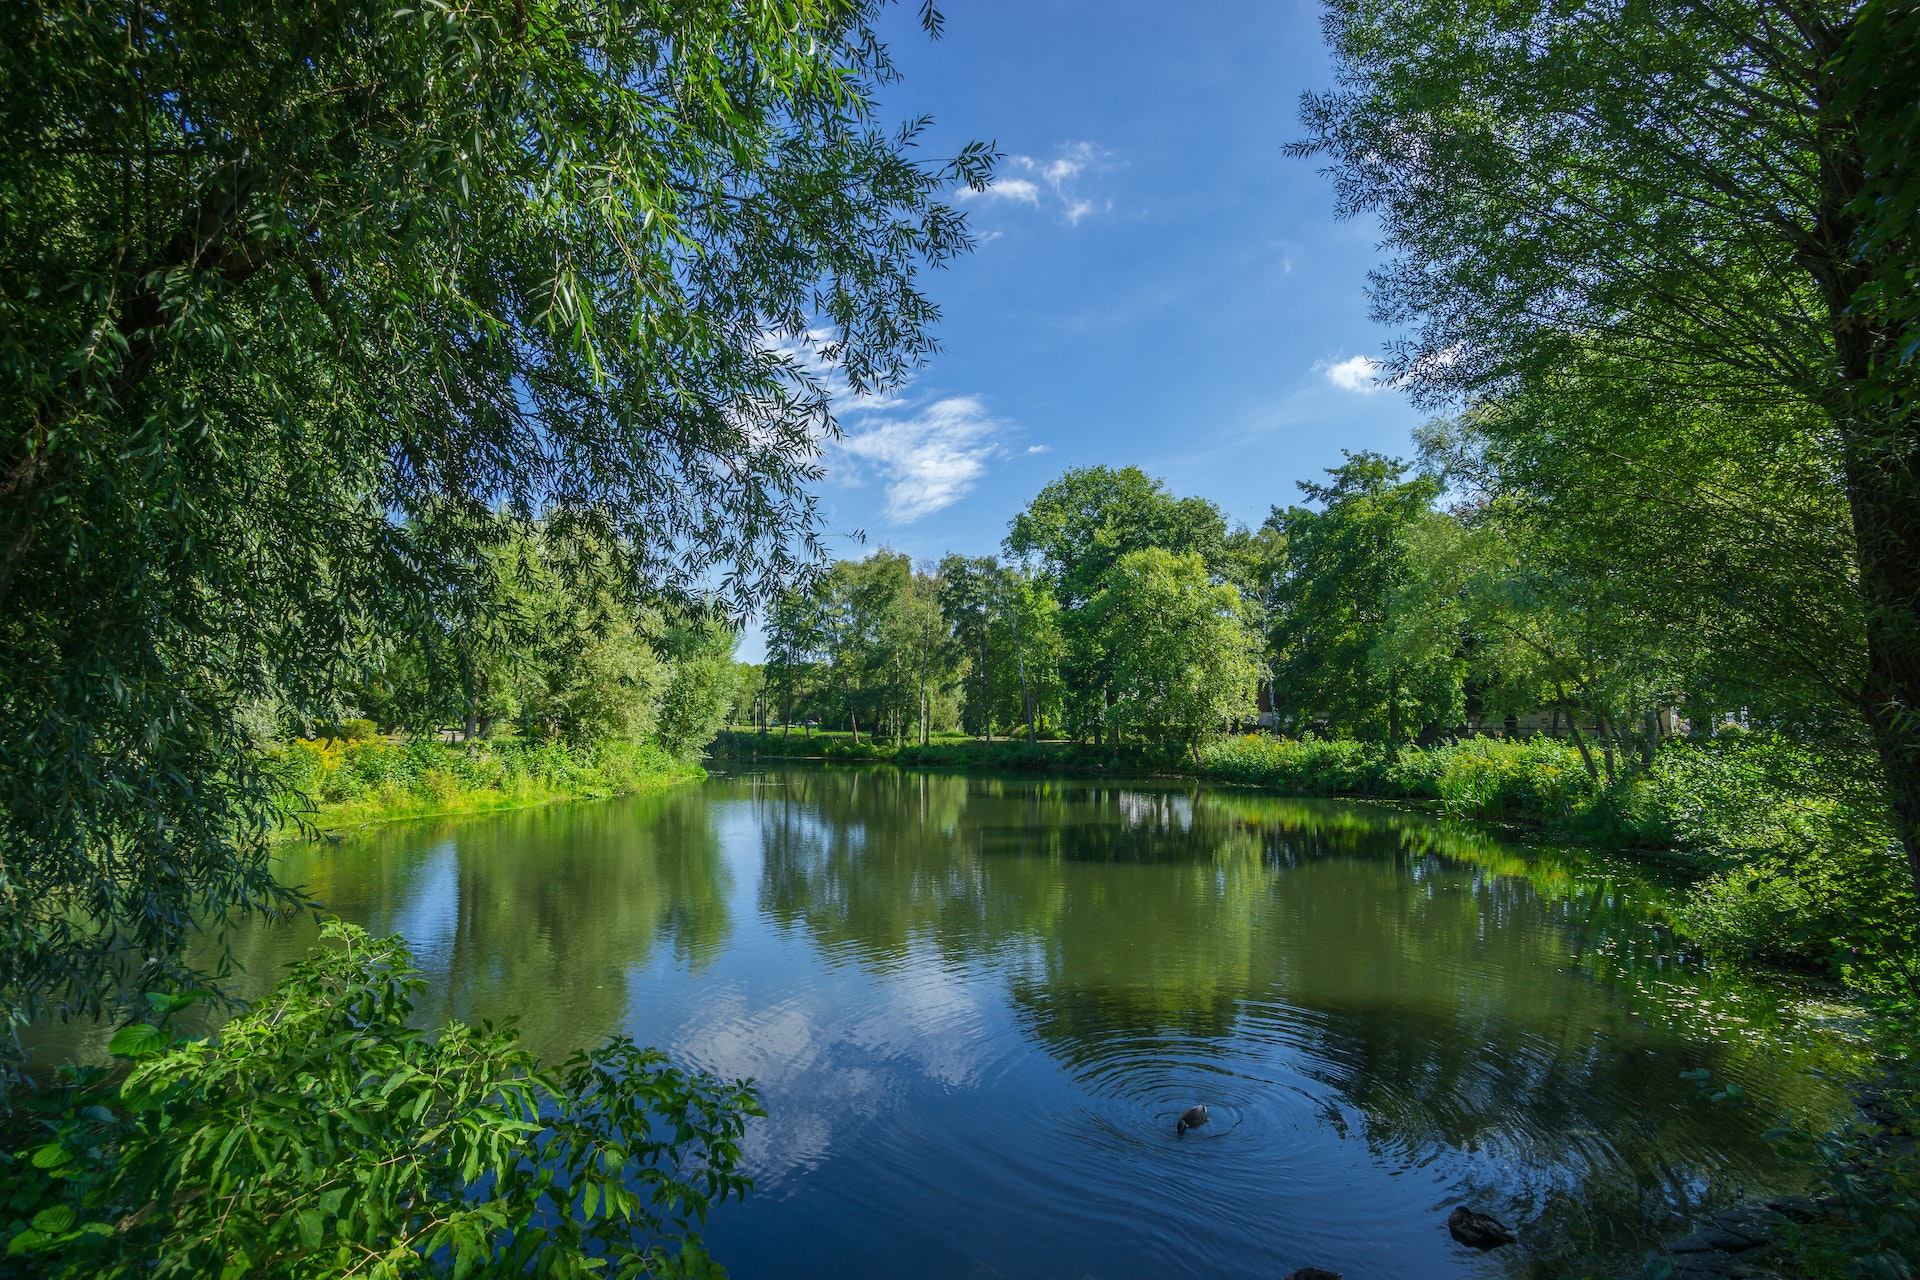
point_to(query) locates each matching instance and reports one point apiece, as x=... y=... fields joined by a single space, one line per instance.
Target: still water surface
x=975 y=1006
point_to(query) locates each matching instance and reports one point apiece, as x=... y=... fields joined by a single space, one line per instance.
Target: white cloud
x=1359 y=373
x=1006 y=189
x=929 y=460
x=1078 y=209
x=1053 y=183
x=1039 y=448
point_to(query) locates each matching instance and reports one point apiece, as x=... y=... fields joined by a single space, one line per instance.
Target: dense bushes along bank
x=1786 y=875
x=347 y=782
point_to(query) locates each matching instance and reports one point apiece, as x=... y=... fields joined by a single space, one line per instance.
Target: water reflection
x=1452 y=994
x=975 y=1006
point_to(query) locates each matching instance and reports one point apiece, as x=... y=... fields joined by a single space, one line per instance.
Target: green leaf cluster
x=322 y=1135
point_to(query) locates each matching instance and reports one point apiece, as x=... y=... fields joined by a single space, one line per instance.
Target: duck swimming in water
x=1477 y=1230
x=1192 y=1118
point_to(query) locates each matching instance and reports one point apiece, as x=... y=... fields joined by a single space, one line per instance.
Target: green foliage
x=1341 y=571
x=1184 y=662
x=700 y=688
x=356 y=730
x=1077 y=529
x=297 y=301
x=1666 y=250
x=1081 y=524
x=865 y=647
x=1806 y=870
x=1006 y=625
x=322 y=1135
x=374 y=780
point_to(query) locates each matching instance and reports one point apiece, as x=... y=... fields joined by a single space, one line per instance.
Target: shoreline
x=331 y=788
x=1075 y=759
x=354 y=816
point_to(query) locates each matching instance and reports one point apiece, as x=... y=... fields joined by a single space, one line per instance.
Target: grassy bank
x=371 y=780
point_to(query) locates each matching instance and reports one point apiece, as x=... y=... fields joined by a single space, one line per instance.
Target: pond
x=975 y=1007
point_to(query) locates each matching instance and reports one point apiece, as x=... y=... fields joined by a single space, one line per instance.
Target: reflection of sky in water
x=427 y=912
x=828 y=1046
x=836 y=1055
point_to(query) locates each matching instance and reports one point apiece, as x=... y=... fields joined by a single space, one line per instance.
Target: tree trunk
x=1872 y=404
x=1605 y=726
x=1393 y=716
x=854 y=720
x=1579 y=740
x=1886 y=521
x=1020 y=654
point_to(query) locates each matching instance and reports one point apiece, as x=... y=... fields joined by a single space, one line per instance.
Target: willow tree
x=1717 y=194
x=295 y=297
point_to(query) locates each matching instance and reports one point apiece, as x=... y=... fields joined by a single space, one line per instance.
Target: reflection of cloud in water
x=428 y=912
x=785 y=1050
x=931 y=1020
x=824 y=1067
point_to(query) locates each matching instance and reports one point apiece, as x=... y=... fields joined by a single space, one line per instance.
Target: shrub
x=425 y=773
x=1312 y=766
x=356 y=730
x=1498 y=778
x=322 y=1136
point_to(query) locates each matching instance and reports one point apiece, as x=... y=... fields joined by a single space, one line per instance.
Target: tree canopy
x=295 y=300
x=1707 y=203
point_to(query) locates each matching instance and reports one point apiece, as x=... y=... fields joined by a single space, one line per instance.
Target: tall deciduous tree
x=1343 y=567
x=1185 y=662
x=1718 y=193
x=1077 y=529
x=970 y=593
x=295 y=297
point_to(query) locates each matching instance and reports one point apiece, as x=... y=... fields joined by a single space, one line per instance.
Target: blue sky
x=1157 y=284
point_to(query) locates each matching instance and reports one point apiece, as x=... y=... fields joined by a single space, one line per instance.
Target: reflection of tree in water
x=542 y=914
x=1454 y=992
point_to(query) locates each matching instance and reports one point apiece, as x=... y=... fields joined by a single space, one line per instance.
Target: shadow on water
x=977 y=1005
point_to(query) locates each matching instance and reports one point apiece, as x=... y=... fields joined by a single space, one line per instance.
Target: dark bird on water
x=1311 y=1273
x=1477 y=1230
x=1192 y=1118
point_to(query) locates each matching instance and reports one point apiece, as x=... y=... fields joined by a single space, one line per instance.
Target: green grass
x=330 y=784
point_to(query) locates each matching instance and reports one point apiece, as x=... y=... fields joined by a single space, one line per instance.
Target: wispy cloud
x=929 y=457
x=1016 y=189
x=1054 y=183
x=1358 y=373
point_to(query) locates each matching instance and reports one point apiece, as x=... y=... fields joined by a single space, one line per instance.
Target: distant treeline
x=1397 y=605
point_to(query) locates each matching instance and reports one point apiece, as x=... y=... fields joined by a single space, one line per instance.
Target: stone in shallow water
x=1725 y=1240
x=1801 y=1207
x=1753 y=1230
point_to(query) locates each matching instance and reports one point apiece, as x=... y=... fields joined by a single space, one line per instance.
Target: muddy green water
x=975 y=1006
